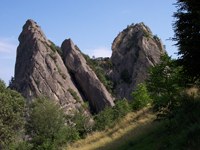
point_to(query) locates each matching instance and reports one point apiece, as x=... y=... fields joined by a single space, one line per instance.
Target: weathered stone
x=40 y=71
x=89 y=85
x=135 y=50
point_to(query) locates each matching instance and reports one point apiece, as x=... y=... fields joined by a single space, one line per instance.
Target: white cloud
x=100 y=52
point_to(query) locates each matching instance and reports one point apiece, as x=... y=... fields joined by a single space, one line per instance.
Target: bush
x=104 y=119
x=23 y=145
x=46 y=125
x=110 y=115
x=82 y=124
x=165 y=84
x=11 y=116
x=121 y=108
x=140 y=96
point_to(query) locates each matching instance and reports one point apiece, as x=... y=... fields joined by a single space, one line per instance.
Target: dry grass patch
x=132 y=125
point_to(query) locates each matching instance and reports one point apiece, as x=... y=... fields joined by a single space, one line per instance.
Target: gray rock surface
x=40 y=71
x=134 y=51
x=87 y=82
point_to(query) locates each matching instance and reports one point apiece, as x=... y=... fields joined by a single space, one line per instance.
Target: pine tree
x=187 y=35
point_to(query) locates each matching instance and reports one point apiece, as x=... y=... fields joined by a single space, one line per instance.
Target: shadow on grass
x=142 y=137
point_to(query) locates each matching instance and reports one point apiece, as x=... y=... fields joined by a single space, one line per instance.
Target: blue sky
x=91 y=24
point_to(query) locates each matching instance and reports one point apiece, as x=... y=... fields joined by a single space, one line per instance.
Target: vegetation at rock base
x=11 y=116
x=175 y=124
x=141 y=97
x=163 y=113
x=49 y=128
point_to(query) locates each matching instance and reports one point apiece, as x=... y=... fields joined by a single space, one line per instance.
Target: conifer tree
x=187 y=35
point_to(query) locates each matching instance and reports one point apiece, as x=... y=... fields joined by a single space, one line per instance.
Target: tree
x=11 y=116
x=46 y=125
x=187 y=35
x=141 y=97
x=164 y=84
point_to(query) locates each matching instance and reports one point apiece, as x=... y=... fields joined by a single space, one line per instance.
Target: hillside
x=132 y=126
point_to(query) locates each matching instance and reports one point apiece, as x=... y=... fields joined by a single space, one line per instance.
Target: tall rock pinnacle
x=90 y=86
x=135 y=50
x=40 y=71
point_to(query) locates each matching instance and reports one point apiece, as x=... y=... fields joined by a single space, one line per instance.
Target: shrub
x=165 y=84
x=11 y=116
x=82 y=124
x=140 y=96
x=110 y=115
x=104 y=119
x=46 y=125
x=121 y=108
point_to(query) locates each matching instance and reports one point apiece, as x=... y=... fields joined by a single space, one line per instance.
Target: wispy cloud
x=100 y=52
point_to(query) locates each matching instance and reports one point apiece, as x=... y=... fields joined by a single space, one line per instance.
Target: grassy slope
x=122 y=135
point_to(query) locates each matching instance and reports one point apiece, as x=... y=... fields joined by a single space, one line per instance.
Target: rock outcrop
x=63 y=75
x=134 y=51
x=86 y=80
x=40 y=71
x=43 y=69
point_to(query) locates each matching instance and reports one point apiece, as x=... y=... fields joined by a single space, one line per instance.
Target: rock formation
x=43 y=69
x=40 y=71
x=87 y=82
x=134 y=51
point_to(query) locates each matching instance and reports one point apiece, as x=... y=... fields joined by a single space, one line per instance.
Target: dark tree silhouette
x=187 y=35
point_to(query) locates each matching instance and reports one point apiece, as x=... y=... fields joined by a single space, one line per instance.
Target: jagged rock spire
x=87 y=81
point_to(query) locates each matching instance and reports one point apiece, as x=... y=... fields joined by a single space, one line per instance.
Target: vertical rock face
x=135 y=50
x=87 y=82
x=40 y=71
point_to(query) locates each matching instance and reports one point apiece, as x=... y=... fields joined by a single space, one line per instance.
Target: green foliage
x=104 y=119
x=110 y=115
x=82 y=124
x=97 y=67
x=121 y=108
x=164 y=84
x=23 y=145
x=46 y=125
x=125 y=76
x=11 y=116
x=55 y=48
x=187 y=35
x=140 y=97
x=147 y=34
